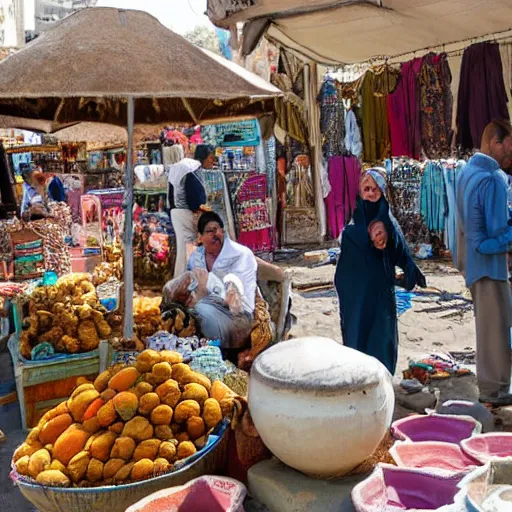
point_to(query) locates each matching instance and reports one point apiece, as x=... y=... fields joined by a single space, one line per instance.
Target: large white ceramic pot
x=320 y=407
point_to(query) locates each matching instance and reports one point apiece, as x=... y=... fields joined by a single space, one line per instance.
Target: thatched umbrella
x=123 y=67
x=93 y=134
x=100 y=134
x=35 y=125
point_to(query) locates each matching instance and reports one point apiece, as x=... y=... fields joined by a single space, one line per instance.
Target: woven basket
x=119 y=498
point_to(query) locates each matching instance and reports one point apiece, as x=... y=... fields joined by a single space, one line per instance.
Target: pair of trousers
x=492 y=303
x=185 y=231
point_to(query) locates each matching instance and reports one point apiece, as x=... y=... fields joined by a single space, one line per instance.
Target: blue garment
x=30 y=197
x=450 y=176
x=365 y=283
x=194 y=191
x=484 y=236
x=353 y=141
x=56 y=190
x=434 y=201
x=18 y=159
x=224 y=37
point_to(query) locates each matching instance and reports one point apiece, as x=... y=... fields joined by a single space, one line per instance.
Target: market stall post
x=128 y=227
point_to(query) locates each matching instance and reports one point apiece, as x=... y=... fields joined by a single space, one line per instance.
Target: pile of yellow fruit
x=132 y=423
x=67 y=315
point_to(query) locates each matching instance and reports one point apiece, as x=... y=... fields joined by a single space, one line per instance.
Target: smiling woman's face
x=213 y=238
x=369 y=190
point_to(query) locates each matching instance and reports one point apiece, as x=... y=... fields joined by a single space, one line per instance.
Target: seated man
x=225 y=286
x=221 y=285
x=222 y=257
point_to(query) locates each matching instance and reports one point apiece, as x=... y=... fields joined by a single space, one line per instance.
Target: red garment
x=344 y=175
x=482 y=94
x=404 y=112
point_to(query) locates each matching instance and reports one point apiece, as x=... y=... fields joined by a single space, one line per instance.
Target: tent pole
x=128 y=230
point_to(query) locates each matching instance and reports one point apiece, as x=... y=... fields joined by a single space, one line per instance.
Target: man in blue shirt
x=483 y=240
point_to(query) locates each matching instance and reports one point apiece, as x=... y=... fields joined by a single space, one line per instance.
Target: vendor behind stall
x=34 y=203
x=186 y=195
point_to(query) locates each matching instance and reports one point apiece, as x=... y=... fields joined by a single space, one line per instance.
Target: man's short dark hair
x=206 y=218
x=499 y=129
x=203 y=151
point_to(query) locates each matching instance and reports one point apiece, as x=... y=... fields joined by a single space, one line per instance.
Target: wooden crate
x=43 y=385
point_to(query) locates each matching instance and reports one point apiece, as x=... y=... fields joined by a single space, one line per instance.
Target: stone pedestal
x=282 y=489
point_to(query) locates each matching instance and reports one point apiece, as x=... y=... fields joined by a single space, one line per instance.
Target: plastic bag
x=176 y=291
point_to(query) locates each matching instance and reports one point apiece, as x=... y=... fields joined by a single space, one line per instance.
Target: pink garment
x=404 y=112
x=344 y=175
x=257 y=241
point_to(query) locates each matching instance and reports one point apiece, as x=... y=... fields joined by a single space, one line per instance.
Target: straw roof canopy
x=99 y=134
x=93 y=134
x=85 y=67
x=35 y=125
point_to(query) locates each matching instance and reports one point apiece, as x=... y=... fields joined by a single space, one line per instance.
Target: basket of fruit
x=135 y=430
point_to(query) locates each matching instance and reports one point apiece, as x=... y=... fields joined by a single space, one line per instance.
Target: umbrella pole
x=128 y=230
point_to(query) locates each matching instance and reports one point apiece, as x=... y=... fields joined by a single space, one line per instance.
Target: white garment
x=455 y=62
x=233 y=259
x=185 y=230
x=172 y=154
x=238 y=260
x=353 y=141
x=175 y=175
x=324 y=178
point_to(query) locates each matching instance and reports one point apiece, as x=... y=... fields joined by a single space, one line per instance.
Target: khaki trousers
x=493 y=315
x=185 y=228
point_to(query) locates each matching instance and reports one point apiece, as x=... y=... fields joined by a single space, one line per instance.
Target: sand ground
x=441 y=318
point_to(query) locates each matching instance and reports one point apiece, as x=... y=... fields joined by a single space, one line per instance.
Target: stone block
x=282 y=489
x=414 y=402
x=505 y=415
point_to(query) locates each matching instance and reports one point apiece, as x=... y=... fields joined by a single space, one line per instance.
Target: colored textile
x=455 y=63
x=434 y=200
x=56 y=190
x=30 y=197
x=353 y=141
x=344 y=174
x=365 y=279
x=376 y=135
x=404 y=112
x=451 y=172
x=248 y=194
x=436 y=105
x=484 y=236
x=18 y=159
x=405 y=186
x=482 y=96
x=332 y=119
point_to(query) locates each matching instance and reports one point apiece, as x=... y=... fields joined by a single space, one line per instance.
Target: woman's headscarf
x=380 y=180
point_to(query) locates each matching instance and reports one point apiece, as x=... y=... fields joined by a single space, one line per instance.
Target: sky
x=181 y=16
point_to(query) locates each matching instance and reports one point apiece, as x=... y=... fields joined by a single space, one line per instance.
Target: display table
x=41 y=385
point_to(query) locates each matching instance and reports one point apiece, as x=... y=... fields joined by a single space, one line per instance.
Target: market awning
x=88 y=64
x=349 y=31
